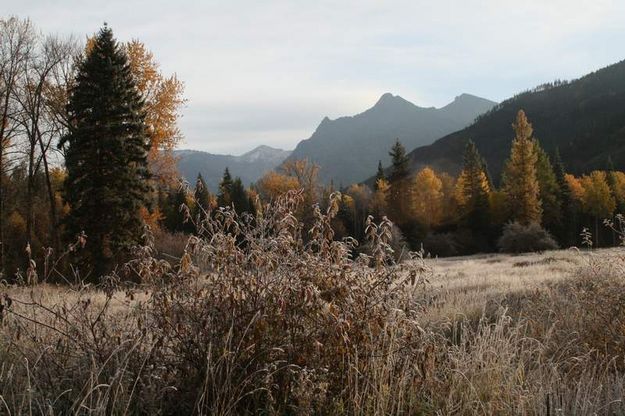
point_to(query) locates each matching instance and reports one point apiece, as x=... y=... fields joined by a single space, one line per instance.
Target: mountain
x=584 y=118
x=249 y=166
x=348 y=149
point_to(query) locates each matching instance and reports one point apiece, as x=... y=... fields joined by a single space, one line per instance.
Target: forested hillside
x=584 y=119
x=249 y=166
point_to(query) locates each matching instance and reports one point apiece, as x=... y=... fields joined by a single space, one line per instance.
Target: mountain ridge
x=249 y=166
x=348 y=148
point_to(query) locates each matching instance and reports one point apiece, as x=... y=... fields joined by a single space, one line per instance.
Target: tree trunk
x=56 y=243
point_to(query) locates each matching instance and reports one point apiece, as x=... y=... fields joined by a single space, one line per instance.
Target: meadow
x=254 y=320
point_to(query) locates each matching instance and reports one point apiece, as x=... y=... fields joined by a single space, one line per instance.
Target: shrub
x=518 y=238
x=170 y=245
x=442 y=245
x=252 y=320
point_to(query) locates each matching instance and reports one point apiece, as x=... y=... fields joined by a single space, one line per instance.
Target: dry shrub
x=518 y=238
x=170 y=245
x=252 y=320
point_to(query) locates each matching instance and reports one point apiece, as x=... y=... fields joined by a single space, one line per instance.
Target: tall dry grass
x=256 y=319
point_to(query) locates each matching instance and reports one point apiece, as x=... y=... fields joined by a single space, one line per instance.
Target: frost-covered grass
x=254 y=320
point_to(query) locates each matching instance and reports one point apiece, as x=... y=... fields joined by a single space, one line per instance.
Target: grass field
x=277 y=327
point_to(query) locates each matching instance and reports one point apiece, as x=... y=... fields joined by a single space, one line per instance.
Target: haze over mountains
x=346 y=149
x=249 y=166
x=584 y=118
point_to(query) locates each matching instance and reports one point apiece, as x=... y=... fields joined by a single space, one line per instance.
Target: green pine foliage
x=399 y=181
x=105 y=155
x=549 y=190
x=176 y=219
x=568 y=229
x=240 y=199
x=224 y=197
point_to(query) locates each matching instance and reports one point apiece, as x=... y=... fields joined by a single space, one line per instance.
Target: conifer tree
x=398 y=198
x=549 y=190
x=474 y=189
x=239 y=197
x=379 y=176
x=175 y=219
x=568 y=228
x=519 y=176
x=224 y=197
x=105 y=155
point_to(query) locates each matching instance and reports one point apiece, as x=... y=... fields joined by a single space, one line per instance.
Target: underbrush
x=256 y=319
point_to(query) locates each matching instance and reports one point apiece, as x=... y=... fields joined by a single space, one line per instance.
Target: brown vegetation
x=253 y=319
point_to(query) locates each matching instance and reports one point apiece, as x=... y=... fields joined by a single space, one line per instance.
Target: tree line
x=86 y=163
x=463 y=214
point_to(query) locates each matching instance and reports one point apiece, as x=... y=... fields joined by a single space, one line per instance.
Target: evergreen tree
x=567 y=231
x=549 y=190
x=474 y=190
x=400 y=164
x=239 y=197
x=379 y=176
x=105 y=155
x=224 y=197
x=519 y=176
x=175 y=219
x=398 y=195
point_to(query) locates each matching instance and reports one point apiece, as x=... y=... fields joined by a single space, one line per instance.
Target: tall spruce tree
x=549 y=190
x=105 y=155
x=568 y=229
x=224 y=197
x=475 y=190
x=239 y=196
x=175 y=219
x=519 y=176
x=398 y=197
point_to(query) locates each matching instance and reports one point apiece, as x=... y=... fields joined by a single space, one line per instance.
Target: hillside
x=348 y=149
x=249 y=166
x=584 y=118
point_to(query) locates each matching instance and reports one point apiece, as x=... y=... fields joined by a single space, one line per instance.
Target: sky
x=268 y=71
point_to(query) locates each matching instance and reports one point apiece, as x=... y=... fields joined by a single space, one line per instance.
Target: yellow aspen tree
x=427 y=196
x=163 y=98
x=274 y=184
x=597 y=199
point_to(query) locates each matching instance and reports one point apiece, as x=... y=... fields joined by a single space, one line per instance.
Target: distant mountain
x=348 y=149
x=249 y=166
x=584 y=118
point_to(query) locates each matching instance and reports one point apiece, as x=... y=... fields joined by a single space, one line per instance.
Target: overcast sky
x=267 y=71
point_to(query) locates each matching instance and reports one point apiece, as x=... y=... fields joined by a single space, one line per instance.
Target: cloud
x=268 y=72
